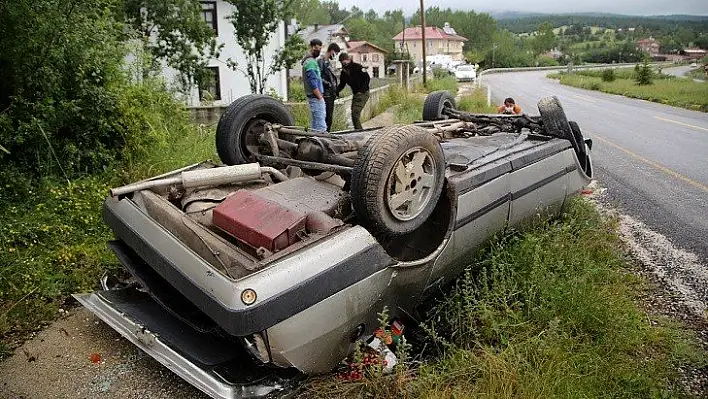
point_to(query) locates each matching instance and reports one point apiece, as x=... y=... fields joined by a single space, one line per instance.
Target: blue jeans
x=317 y=114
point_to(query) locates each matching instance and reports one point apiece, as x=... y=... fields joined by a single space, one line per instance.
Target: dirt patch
x=57 y=363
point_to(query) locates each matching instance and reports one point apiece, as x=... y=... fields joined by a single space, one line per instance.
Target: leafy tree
x=255 y=22
x=545 y=40
x=175 y=32
x=309 y=12
x=507 y=52
x=702 y=41
x=336 y=15
x=478 y=28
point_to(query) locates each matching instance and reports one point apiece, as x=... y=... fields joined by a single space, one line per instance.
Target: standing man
x=354 y=75
x=314 y=89
x=329 y=80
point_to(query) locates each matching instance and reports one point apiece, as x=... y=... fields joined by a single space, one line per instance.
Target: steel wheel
x=411 y=184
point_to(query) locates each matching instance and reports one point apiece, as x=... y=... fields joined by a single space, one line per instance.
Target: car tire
x=234 y=131
x=435 y=103
x=397 y=180
x=555 y=121
x=583 y=153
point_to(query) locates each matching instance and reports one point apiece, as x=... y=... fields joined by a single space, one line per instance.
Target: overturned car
x=248 y=275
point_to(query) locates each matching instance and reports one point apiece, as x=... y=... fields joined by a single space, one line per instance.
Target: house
x=440 y=41
x=649 y=45
x=370 y=56
x=694 y=53
x=326 y=34
x=227 y=84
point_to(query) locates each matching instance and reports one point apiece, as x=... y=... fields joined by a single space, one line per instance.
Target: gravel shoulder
x=56 y=363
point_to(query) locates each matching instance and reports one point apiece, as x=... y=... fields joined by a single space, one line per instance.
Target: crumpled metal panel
x=259 y=222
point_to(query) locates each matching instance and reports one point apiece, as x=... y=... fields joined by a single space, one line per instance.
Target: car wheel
x=239 y=127
x=435 y=103
x=583 y=153
x=397 y=180
x=555 y=122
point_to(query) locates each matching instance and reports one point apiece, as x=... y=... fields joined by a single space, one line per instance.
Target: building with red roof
x=369 y=55
x=439 y=41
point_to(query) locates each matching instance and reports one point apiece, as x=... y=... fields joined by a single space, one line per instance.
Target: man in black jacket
x=329 y=80
x=356 y=77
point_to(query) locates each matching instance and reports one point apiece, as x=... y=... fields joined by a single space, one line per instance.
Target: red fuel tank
x=258 y=222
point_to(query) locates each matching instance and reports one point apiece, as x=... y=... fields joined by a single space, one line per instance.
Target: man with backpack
x=329 y=80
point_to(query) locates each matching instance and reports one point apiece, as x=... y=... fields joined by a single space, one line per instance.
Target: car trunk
x=249 y=237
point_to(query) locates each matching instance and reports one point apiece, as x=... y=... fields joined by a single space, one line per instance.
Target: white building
x=228 y=85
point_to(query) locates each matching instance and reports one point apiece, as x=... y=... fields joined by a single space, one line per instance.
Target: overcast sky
x=633 y=7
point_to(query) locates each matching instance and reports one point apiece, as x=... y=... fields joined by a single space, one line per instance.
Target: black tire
x=373 y=180
x=434 y=104
x=233 y=129
x=578 y=136
x=555 y=122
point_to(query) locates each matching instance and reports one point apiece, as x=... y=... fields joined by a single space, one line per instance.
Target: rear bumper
x=284 y=288
x=216 y=366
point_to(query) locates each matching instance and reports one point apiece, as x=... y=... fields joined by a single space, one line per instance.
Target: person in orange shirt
x=509 y=107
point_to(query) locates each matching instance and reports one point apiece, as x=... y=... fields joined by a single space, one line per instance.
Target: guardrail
x=569 y=68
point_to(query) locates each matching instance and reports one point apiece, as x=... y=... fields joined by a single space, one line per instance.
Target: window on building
x=211 y=90
x=375 y=58
x=209 y=14
x=363 y=57
x=375 y=71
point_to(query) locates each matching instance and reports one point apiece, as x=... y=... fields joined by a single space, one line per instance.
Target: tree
x=643 y=75
x=173 y=31
x=309 y=12
x=255 y=22
x=545 y=40
x=336 y=15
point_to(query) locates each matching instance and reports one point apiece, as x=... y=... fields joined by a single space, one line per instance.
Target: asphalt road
x=652 y=158
x=680 y=71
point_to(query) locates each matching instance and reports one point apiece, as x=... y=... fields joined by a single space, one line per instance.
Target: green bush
x=643 y=75
x=545 y=61
x=296 y=91
x=59 y=98
x=476 y=102
x=608 y=75
x=440 y=73
x=448 y=83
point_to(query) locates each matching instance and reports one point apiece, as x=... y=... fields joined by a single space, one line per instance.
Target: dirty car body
x=247 y=276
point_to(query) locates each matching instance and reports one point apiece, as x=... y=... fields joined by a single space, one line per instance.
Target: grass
x=476 y=102
x=54 y=243
x=549 y=312
x=697 y=74
x=668 y=90
x=409 y=105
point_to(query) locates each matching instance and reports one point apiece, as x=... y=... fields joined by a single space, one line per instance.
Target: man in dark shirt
x=329 y=80
x=354 y=75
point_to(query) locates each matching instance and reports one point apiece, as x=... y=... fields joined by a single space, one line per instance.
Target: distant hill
x=504 y=15
x=519 y=22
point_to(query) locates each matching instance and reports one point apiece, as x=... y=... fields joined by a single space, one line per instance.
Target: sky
x=632 y=7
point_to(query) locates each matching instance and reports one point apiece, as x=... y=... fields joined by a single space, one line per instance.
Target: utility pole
x=425 y=67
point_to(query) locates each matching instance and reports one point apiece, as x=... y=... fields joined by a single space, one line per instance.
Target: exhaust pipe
x=206 y=177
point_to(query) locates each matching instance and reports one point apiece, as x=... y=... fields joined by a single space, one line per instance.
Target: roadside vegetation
x=549 y=312
x=655 y=87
